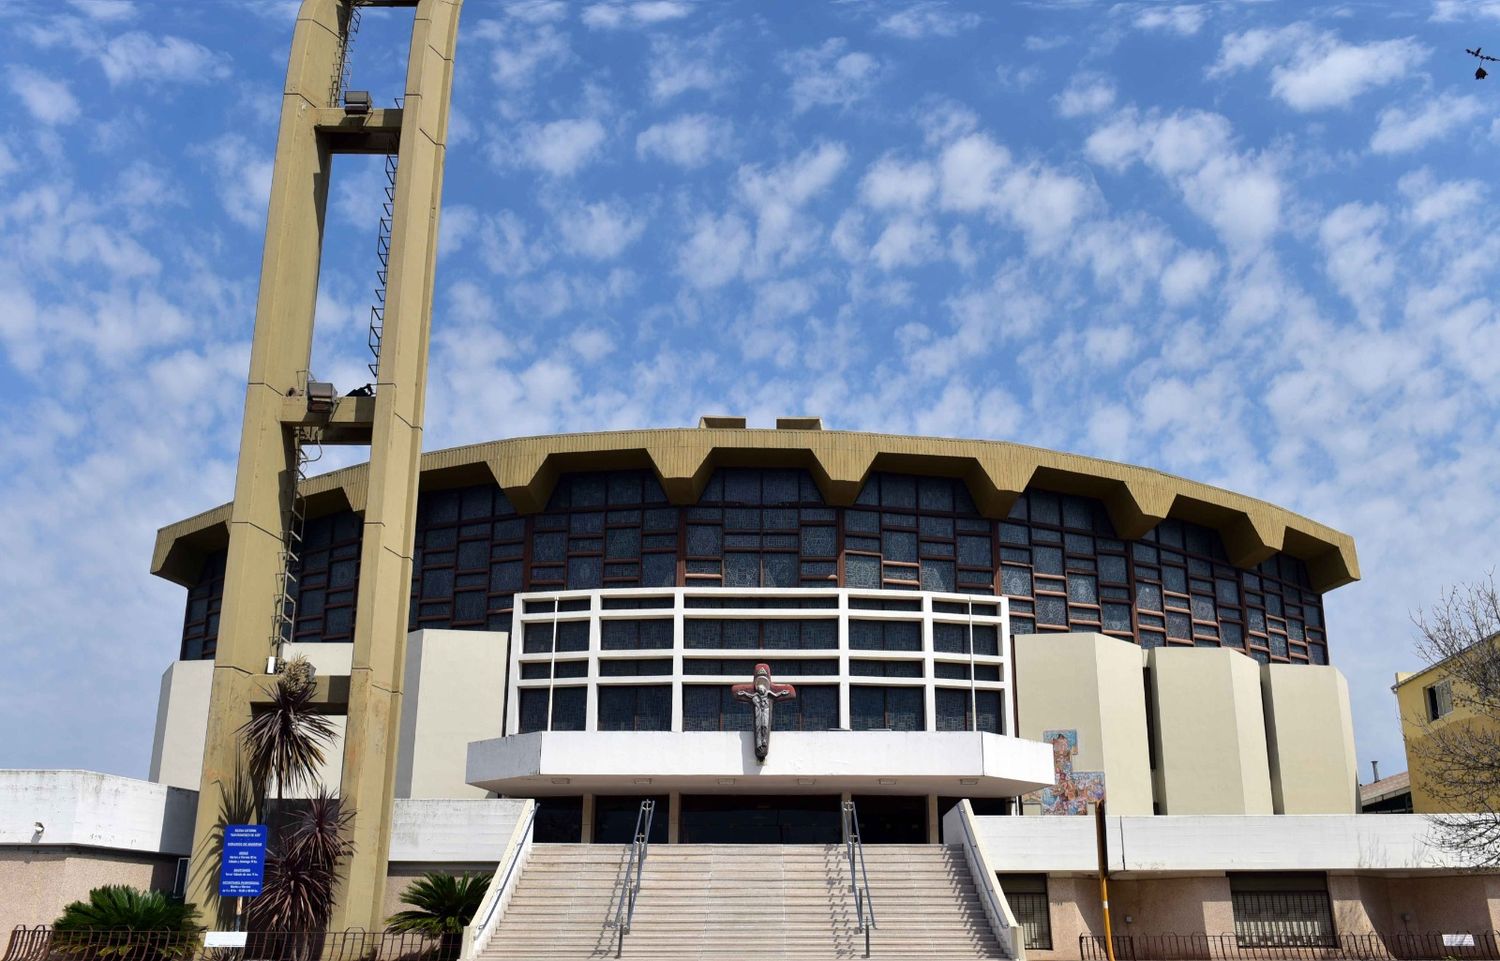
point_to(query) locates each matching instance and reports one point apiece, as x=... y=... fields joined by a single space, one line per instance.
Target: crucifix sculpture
x=762 y=693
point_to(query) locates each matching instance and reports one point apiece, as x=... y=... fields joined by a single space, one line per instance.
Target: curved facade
x=1200 y=575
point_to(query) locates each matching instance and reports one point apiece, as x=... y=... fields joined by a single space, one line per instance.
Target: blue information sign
x=242 y=869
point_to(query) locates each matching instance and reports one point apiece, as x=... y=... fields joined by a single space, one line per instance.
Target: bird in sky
x=1481 y=73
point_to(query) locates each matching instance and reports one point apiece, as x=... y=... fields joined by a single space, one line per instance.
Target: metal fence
x=44 y=944
x=1403 y=946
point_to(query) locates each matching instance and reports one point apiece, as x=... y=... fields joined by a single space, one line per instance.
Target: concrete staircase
x=740 y=901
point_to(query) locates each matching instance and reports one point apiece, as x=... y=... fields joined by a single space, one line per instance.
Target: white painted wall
x=88 y=809
x=910 y=762
x=1311 y=842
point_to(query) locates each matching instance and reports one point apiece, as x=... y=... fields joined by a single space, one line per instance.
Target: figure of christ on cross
x=762 y=693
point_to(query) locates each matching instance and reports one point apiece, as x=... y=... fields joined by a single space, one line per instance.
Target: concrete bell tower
x=280 y=409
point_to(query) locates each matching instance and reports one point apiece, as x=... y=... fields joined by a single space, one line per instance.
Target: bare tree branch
x=1460 y=751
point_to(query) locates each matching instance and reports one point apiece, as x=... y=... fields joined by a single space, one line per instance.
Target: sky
x=1245 y=242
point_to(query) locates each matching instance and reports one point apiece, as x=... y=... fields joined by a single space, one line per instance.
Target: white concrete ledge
x=1217 y=843
x=445 y=831
x=88 y=809
x=958 y=763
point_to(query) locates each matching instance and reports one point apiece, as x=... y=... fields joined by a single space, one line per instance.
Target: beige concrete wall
x=1453 y=904
x=1211 y=734
x=181 y=720
x=1092 y=684
x=36 y=883
x=1309 y=739
x=1182 y=905
x=455 y=693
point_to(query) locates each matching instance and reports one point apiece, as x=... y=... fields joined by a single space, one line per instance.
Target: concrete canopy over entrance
x=959 y=763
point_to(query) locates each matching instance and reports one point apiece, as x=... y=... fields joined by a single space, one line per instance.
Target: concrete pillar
x=311 y=130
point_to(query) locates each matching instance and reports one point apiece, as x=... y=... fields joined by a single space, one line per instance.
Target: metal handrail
x=859 y=878
x=639 y=848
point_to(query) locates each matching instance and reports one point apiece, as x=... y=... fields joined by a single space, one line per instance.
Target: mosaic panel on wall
x=1057 y=557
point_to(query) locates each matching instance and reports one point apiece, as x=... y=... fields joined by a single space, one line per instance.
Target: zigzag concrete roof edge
x=995 y=472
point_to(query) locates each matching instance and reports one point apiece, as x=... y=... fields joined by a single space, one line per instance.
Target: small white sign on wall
x=224 y=939
x=1458 y=940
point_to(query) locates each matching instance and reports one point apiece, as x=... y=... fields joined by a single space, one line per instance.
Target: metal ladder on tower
x=383 y=254
x=308 y=451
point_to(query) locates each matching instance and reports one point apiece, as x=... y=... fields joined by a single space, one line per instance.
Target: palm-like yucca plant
x=302 y=868
x=121 y=922
x=442 y=906
x=285 y=740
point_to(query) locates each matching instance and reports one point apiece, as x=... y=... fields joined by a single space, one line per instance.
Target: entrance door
x=752 y=819
x=891 y=819
x=615 y=817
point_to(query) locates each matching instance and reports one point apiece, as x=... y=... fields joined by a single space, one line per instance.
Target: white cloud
x=969 y=169
x=1086 y=94
x=600 y=230
x=975 y=174
x=905 y=242
x=889 y=183
x=562 y=147
x=1181 y=19
x=108 y=11
x=714 y=251
x=1357 y=259
x=593 y=344
x=1401 y=130
x=140 y=56
x=611 y=16
x=689 y=141
x=931 y=18
x=1446 y=11
x=524 y=52
x=48 y=101
x=1431 y=202
x=828 y=76
x=783 y=234
x=1238 y=193
x=678 y=66
x=1187 y=277
x=1315 y=70
x=242 y=177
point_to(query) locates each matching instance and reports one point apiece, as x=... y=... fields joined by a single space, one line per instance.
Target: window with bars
x=1056 y=556
x=200 y=626
x=713 y=707
x=955 y=710
x=745 y=667
x=611 y=529
x=874 y=708
x=1282 y=911
x=644 y=707
x=918 y=533
x=769 y=634
x=761 y=528
x=1027 y=896
x=569 y=707
x=328 y=582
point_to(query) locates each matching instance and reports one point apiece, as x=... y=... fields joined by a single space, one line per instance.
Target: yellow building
x=1432 y=702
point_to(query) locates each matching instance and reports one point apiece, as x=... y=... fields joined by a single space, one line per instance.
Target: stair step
x=703 y=902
